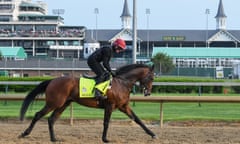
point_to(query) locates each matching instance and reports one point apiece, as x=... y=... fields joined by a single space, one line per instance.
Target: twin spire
x=221 y=17
x=126 y=16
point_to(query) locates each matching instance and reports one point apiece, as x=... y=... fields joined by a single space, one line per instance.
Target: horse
x=61 y=91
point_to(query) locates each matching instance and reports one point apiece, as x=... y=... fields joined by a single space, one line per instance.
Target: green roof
x=27 y=4
x=198 y=52
x=13 y=52
x=33 y=15
x=38 y=15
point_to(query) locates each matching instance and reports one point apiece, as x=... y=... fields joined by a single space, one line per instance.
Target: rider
x=99 y=62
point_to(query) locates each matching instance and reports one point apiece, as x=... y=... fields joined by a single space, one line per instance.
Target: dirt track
x=122 y=132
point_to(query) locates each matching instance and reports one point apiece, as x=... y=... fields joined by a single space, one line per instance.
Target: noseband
x=145 y=81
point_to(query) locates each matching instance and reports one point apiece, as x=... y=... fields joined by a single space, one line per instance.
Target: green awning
x=13 y=52
x=198 y=52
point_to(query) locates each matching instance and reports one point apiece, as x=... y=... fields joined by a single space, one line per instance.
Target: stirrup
x=100 y=97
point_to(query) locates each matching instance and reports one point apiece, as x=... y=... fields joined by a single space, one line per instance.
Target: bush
x=217 y=89
x=236 y=89
x=155 y=89
x=20 y=88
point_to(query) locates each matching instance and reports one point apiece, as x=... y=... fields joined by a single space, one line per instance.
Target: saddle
x=86 y=75
x=87 y=85
x=106 y=76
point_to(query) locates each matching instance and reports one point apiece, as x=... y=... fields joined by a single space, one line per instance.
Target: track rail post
x=161 y=114
x=71 y=114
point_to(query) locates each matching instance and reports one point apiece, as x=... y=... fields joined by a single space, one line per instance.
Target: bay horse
x=61 y=91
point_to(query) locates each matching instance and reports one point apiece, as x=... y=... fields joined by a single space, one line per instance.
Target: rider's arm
x=107 y=53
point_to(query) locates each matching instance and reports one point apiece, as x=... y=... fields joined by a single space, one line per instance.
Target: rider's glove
x=113 y=74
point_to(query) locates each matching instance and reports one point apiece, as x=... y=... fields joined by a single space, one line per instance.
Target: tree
x=1 y=56
x=163 y=63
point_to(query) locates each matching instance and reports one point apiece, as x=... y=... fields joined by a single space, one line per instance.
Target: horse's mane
x=127 y=68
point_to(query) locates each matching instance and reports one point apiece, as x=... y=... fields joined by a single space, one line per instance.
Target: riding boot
x=98 y=95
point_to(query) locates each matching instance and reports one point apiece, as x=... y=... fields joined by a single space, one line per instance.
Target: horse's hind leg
x=128 y=111
x=37 y=116
x=52 y=119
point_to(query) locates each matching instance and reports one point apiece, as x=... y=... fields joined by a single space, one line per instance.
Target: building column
x=33 y=46
x=57 y=44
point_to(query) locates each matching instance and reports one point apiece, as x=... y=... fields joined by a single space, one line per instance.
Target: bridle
x=144 y=83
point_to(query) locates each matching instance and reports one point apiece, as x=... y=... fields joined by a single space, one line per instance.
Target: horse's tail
x=31 y=96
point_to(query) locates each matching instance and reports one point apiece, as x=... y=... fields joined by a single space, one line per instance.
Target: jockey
x=99 y=62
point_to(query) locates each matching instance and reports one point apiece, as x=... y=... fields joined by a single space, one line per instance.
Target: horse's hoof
x=22 y=135
x=154 y=137
x=57 y=141
x=54 y=140
x=105 y=141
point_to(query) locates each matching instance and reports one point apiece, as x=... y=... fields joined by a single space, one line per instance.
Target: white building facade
x=26 y=24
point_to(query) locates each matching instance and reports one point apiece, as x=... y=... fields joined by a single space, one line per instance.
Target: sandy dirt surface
x=122 y=132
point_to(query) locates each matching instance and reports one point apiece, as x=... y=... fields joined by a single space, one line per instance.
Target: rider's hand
x=113 y=74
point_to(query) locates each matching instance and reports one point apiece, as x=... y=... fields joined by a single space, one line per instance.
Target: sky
x=164 y=14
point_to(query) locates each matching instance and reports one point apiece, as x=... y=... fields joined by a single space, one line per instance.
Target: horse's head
x=146 y=81
x=138 y=72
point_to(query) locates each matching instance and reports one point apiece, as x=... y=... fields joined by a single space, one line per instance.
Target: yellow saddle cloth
x=87 y=87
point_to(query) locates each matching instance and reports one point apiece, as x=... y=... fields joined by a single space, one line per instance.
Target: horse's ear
x=150 y=64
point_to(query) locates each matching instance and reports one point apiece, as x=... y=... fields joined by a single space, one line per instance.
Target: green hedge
x=192 y=89
x=20 y=88
x=156 y=89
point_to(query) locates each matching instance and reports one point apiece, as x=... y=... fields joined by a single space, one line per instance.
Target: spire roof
x=125 y=12
x=220 y=12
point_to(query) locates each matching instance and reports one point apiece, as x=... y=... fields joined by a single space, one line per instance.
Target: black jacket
x=103 y=55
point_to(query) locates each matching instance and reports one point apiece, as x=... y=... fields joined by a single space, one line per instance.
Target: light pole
x=134 y=38
x=207 y=12
x=148 y=13
x=58 y=12
x=96 y=11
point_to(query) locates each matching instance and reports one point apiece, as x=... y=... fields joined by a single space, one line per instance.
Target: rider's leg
x=98 y=94
x=99 y=71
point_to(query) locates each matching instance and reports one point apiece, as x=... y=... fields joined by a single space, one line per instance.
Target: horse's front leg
x=128 y=111
x=107 y=115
